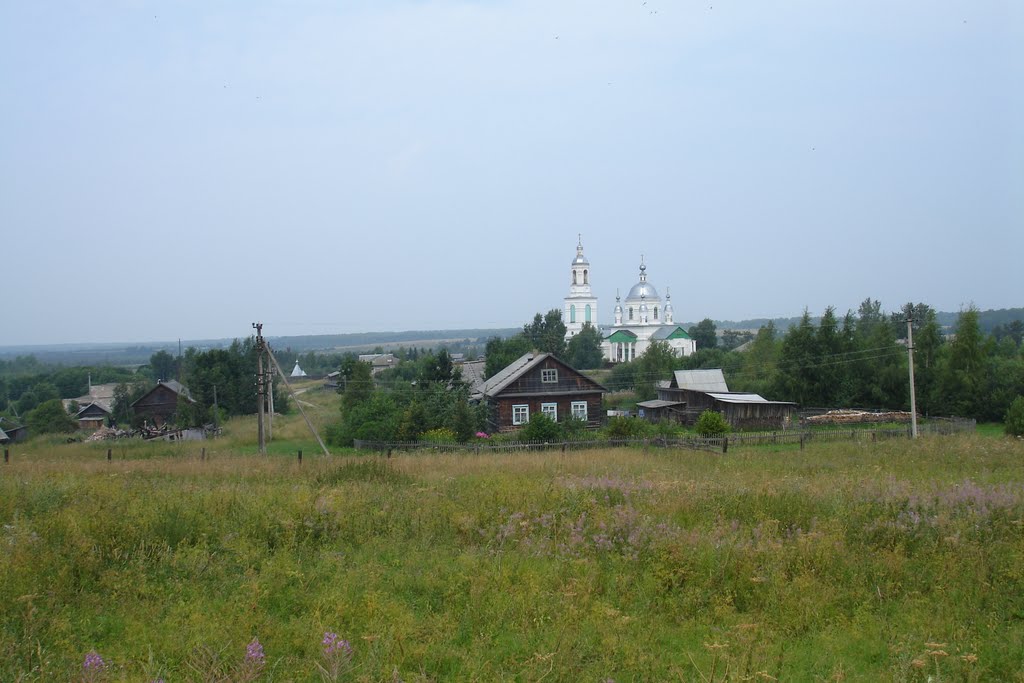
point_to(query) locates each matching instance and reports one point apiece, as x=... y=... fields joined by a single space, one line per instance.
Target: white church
x=641 y=319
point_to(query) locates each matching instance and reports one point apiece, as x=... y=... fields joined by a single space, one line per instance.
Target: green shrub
x=1013 y=423
x=711 y=423
x=439 y=435
x=620 y=427
x=541 y=428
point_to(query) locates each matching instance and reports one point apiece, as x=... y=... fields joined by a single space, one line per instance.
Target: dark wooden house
x=700 y=390
x=92 y=417
x=540 y=383
x=10 y=431
x=160 y=403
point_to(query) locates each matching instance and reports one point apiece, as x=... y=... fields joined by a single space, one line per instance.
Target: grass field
x=889 y=561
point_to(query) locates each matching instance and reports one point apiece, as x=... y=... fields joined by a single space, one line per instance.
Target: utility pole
x=910 y=355
x=270 y=403
x=216 y=417
x=260 y=387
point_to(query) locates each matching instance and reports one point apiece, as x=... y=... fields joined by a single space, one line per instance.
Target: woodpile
x=838 y=417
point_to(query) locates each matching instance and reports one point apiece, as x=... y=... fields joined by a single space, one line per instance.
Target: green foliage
x=50 y=417
x=657 y=364
x=1013 y=421
x=439 y=435
x=711 y=423
x=163 y=366
x=377 y=418
x=541 y=428
x=584 y=349
x=501 y=352
x=547 y=333
x=705 y=334
x=619 y=427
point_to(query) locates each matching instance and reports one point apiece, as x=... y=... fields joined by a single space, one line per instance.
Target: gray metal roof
x=739 y=397
x=659 y=403
x=511 y=372
x=701 y=380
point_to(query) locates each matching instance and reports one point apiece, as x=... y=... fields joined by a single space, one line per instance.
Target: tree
x=541 y=428
x=547 y=333
x=1013 y=421
x=963 y=375
x=50 y=417
x=583 y=351
x=501 y=352
x=359 y=385
x=657 y=363
x=163 y=365
x=705 y=334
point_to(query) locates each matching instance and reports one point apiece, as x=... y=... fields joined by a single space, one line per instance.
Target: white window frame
x=520 y=414
x=550 y=409
x=577 y=413
x=549 y=375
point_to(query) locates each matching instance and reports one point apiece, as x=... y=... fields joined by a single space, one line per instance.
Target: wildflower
x=333 y=645
x=254 y=653
x=93 y=662
x=482 y=435
x=969 y=658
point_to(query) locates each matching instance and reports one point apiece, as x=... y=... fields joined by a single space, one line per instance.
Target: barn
x=701 y=390
x=160 y=403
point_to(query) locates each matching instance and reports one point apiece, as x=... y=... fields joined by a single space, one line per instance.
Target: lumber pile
x=838 y=417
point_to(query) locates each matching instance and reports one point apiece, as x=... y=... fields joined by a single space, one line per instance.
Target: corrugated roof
x=739 y=397
x=659 y=403
x=701 y=380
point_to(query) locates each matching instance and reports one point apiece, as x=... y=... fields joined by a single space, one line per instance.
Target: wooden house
x=540 y=383
x=700 y=390
x=10 y=431
x=92 y=416
x=160 y=403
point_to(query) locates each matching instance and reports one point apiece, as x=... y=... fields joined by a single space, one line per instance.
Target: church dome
x=643 y=289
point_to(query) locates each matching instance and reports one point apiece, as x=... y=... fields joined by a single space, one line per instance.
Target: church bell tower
x=581 y=304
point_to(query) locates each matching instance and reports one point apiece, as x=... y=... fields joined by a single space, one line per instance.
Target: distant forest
x=470 y=341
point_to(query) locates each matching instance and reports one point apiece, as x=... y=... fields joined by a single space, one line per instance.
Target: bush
x=49 y=418
x=541 y=428
x=439 y=435
x=1014 y=420
x=625 y=427
x=711 y=423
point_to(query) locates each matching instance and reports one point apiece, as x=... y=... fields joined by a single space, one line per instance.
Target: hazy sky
x=181 y=169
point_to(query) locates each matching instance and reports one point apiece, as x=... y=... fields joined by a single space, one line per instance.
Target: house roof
x=102 y=406
x=740 y=397
x=519 y=367
x=3 y=436
x=172 y=384
x=670 y=332
x=659 y=403
x=701 y=380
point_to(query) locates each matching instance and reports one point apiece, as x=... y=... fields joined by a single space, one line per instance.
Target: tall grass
x=894 y=561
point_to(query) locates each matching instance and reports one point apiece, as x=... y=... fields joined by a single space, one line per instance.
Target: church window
x=586 y=314
x=549 y=375
x=655 y=312
x=550 y=409
x=630 y=312
x=572 y=313
x=574 y=277
x=520 y=414
x=585 y=278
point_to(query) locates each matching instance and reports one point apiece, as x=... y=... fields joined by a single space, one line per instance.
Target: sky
x=180 y=170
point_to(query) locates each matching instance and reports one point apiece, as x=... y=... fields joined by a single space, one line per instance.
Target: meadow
x=851 y=561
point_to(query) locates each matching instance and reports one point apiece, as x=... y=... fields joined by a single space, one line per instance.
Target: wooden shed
x=704 y=390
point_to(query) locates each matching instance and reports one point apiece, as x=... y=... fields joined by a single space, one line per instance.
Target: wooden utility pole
x=910 y=355
x=260 y=387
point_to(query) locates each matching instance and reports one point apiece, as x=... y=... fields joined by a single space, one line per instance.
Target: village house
x=160 y=403
x=540 y=383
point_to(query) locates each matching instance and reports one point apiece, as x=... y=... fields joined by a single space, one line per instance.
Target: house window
x=579 y=410
x=586 y=313
x=572 y=313
x=520 y=414
x=550 y=409
x=549 y=376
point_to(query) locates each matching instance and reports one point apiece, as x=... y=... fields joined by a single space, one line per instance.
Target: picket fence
x=718 y=444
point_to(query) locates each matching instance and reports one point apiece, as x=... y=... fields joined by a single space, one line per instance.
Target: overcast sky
x=181 y=169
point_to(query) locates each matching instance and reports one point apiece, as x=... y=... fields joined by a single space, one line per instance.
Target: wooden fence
x=719 y=444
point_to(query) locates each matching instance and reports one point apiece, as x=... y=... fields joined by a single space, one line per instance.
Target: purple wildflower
x=254 y=653
x=93 y=662
x=333 y=645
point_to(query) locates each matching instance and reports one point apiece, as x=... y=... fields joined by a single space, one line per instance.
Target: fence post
x=801 y=440
x=389 y=454
x=300 y=456
x=725 y=444
x=108 y=455
x=874 y=435
x=202 y=453
x=7 y=455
